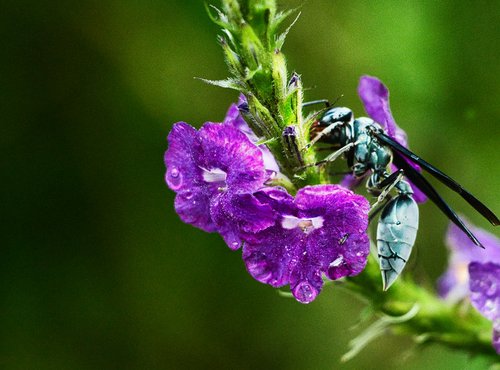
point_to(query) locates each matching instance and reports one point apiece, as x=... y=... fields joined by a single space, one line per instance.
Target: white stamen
x=214 y=175
x=305 y=224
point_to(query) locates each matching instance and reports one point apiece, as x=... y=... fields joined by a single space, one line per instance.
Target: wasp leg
x=324 y=132
x=314 y=102
x=332 y=157
x=388 y=184
x=375 y=211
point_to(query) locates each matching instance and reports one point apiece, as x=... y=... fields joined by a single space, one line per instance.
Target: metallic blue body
x=398 y=223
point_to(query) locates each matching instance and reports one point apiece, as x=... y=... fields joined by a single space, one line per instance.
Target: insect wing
x=445 y=179
x=421 y=182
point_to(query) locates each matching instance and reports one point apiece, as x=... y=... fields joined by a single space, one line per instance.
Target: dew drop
x=259 y=270
x=174 y=178
x=235 y=245
x=304 y=292
x=188 y=195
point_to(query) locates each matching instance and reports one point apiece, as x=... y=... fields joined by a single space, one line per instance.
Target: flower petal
x=183 y=145
x=226 y=148
x=193 y=207
x=496 y=336
x=237 y=213
x=184 y=177
x=453 y=285
x=375 y=97
x=485 y=289
x=323 y=225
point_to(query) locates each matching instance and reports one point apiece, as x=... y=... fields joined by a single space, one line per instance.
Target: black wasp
x=369 y=152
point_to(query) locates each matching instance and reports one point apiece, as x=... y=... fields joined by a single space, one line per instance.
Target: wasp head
x=332 y=123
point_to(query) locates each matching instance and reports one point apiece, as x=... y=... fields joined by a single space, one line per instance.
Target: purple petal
x=461 y=245
x=475 y=273
x=322 y=231
x=453 y=285
x=351 y=182
x=192 y=202
x=227 y=149
x=182 y=172
x=496 y=336
x=237 y=213
x=485 y=289
x=375 y=97
x=234 y=117
x=193 y=207
x=345 y=224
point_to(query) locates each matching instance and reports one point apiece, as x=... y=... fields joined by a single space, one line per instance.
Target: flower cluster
x=474 y=276
x=221 y=178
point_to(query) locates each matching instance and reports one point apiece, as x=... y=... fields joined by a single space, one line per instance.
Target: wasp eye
x=337 y=114
x=342 y=115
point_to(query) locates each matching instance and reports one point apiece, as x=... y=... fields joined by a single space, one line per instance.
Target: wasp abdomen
x=396 y=234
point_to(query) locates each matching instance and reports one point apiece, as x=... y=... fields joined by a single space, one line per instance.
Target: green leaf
x=229 y=83
x=280 y=40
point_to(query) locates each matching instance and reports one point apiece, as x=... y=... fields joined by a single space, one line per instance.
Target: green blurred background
x=98 y=272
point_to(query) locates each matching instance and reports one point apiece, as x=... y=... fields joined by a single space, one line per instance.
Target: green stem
x=435 y=322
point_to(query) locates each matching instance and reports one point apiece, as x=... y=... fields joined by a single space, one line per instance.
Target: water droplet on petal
x=235 y=245
x=174 y=178
x=304 y=292
x=188 y=195
x=259 y=269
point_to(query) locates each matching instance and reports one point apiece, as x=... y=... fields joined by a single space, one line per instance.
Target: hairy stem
x=252 y=49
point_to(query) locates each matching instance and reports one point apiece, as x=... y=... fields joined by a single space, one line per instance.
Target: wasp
x=369 y=152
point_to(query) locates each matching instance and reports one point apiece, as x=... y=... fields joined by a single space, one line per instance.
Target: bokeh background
x=96 y=269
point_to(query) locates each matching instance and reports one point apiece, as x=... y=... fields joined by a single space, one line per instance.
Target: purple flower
x=375 y=97
x=322 y=230
x=475 y=274
x=485 y=294
x=210 y=169
x=453 y=285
